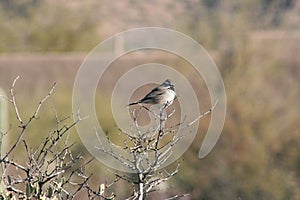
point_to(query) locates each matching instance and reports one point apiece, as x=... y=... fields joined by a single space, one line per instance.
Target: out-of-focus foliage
x=257 y=45
x=30 y=26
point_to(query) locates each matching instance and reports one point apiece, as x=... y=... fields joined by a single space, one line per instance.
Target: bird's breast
x=170 y=95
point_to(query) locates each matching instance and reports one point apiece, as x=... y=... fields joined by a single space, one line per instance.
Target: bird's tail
x=134 y=103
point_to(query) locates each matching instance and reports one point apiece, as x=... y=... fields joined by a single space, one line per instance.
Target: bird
x=163 y=94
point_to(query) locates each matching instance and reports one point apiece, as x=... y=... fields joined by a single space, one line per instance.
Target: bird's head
x=168 y=83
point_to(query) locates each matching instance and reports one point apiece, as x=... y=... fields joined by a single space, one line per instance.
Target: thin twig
x=178 y=196
x=13 y=100
x=22 y=125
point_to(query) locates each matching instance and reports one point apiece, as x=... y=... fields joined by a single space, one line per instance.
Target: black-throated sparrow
x=164 y=94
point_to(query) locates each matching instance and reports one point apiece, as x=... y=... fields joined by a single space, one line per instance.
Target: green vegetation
x=256 y=45
x=33 y=26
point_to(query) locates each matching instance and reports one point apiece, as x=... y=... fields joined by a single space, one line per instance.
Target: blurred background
x=255 y=45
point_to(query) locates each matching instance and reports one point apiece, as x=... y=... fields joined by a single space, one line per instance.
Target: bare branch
x=13 y=100
x=22 y=125
x=41 y=103
x=177 y=196
x=203 y=114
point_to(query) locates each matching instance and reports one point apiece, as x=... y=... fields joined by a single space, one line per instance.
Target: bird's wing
x=155 y=92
